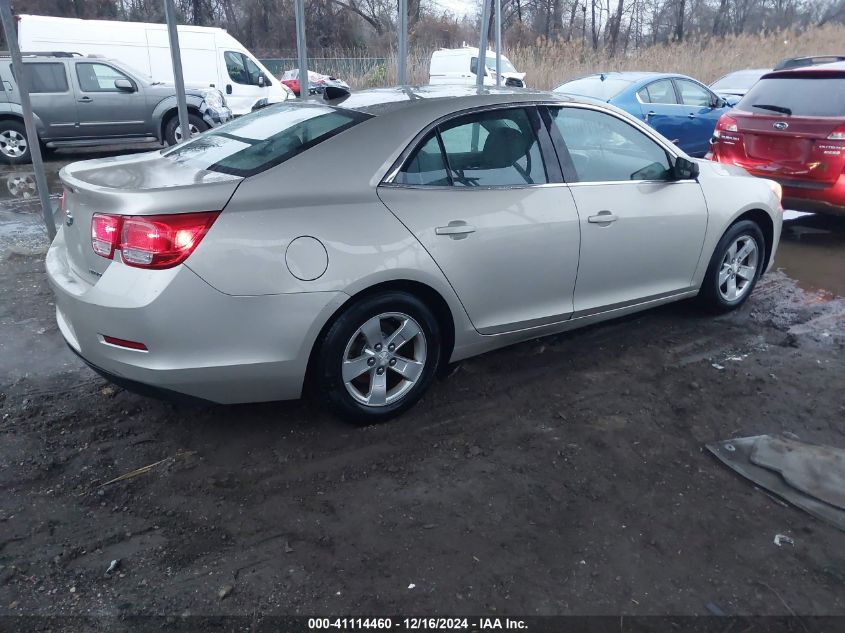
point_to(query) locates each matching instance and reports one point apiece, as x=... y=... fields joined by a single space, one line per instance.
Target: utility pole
x=178 y=79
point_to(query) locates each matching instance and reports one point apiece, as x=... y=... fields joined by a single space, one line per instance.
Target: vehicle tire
x=378 y=358
x=736 y=265
x=173 y=133
x=14 y=146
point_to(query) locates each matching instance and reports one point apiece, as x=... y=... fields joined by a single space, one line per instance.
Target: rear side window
x=798 y=96
x=45 y=77
x=426 y=165
x=264 y=139
x=658 y=92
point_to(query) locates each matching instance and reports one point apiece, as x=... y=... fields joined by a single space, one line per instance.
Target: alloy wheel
x=384 y=359
x=12 y=143
x=177 y=134
x=739 y=267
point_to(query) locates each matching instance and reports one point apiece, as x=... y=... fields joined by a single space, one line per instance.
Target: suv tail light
x=150 y=241
x=725 y=124
x=838 y=134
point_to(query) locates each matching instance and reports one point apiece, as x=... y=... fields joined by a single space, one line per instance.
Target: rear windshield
x=595 y=87
x=739 y=79
x=264 y=139
x=798 y=96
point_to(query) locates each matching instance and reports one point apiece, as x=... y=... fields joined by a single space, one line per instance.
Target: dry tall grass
x=548 y=64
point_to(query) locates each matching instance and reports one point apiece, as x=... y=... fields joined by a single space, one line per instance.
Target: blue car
x=680 y=108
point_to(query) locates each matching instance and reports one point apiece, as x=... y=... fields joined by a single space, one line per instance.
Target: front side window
x=255 y=142
x=98 y=77
x=693 y=94
x=495 y=148
x=658 y=92
x=426 y=166
x=45 y=77
x=604 y=148
x=241 y=69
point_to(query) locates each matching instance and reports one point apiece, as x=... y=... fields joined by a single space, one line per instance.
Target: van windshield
x=264 y=139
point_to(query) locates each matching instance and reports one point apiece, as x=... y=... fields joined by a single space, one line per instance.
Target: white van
x=459 y=66
x=210 y=56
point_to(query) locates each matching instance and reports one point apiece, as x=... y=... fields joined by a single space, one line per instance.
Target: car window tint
x=693 y=94
x=263 y=139
x=492 y=149
x=658 y=92
x=803 y=96
x=98 y=77
x=606 y=149
x=48 y=77
x=425 y=166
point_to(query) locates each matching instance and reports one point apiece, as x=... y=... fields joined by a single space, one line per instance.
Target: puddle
x=812 y=251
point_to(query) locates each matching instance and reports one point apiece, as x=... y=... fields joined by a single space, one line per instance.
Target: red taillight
x=105 y=232
x=122 y=342
x=725 y=124
x=838 y=134
x=152 y=241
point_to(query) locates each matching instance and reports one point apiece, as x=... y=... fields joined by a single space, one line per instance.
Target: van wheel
x=14 y=147
x=735 y=267
x=173 y=131
x=378 y=358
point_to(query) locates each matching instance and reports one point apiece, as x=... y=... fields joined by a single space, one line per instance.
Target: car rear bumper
x=201 y=342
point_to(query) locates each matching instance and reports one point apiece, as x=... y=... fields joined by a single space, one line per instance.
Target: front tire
x=378 y=358
x=173 y=132
x=736 y=265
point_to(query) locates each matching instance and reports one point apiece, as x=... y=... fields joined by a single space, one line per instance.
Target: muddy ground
x=562 y=476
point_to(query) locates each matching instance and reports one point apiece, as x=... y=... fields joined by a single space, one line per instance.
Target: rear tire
x=378 y=358
x=173 y=133
x=14 y=146
x=736 y=265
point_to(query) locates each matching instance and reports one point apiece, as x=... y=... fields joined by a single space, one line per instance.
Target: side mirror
x=124 y=85
x=684 y=169
x=261 y=81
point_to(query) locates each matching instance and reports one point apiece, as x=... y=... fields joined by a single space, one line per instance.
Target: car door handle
x=691 y=115
x=457 y=229
x=650 y=113
x=85 y=100
x=603 y=217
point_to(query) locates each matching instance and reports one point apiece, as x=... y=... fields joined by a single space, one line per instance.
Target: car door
x=641 y=232
x=493 y=214
x=51 y=96
x=242 y=88
x=104 y=109
x=662 y=110
x=703 y=109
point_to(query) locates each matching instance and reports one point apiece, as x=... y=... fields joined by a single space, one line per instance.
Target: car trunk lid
x=142 y=184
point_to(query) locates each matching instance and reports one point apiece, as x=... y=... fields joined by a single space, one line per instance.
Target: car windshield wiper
x=773 y=108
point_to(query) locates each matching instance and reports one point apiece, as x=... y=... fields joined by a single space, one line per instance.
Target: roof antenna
x=602 y=77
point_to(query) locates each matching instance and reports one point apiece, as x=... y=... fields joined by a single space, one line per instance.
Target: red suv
x=790 y=127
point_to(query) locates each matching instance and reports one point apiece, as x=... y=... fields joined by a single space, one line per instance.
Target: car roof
x=422 y=99
x=630 y=75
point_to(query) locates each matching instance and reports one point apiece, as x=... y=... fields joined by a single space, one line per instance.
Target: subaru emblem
x=780 y=125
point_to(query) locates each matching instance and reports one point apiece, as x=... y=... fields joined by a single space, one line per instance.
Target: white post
x=28 y=118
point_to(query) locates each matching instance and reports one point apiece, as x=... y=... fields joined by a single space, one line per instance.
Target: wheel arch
x=171 y=111
x=428 y=295
x=762 y=219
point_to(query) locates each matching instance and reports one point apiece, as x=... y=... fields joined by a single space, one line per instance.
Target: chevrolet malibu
x=358 y=246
